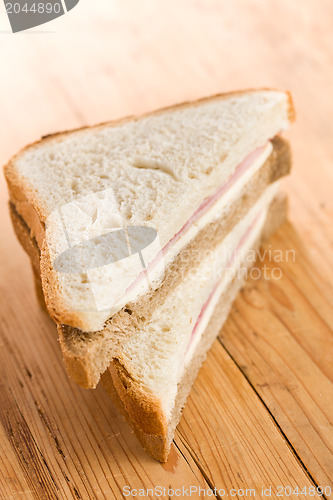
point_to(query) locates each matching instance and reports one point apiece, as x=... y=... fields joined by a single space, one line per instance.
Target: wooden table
x=260 y=413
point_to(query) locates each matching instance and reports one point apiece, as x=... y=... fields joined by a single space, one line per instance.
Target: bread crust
x=143 y=408
x=154 y=444
x=18 y=189
x=21 y=193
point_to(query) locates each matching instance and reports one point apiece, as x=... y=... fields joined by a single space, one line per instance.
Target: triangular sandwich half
x=139 y=232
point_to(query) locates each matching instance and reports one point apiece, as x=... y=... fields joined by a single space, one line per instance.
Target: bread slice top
x=160 y=167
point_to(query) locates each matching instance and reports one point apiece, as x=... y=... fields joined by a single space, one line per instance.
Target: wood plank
x=279 y=333
x=230 y=433
x=12 y=480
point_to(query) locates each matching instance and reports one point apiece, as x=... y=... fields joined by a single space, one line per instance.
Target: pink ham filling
x=232 y=258
x=205 y=205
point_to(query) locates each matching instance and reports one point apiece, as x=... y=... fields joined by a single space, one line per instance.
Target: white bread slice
x=161 y=167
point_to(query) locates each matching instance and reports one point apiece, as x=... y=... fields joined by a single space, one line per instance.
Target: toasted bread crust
x=143 y=408
x=154 y=444
x=22 y=193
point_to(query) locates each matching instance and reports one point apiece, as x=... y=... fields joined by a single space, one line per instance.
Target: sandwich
x=139 y=233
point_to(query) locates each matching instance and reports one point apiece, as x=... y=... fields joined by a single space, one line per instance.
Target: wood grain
x=260 y=411
x=230 y=433
x=68 y=442
x=280 y=336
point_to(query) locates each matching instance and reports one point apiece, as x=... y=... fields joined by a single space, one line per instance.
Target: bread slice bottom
x=118 y=383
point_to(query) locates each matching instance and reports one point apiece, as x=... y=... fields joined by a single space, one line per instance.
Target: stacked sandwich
x=137 y=232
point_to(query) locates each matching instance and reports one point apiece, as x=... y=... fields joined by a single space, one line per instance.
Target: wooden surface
x=260 y=413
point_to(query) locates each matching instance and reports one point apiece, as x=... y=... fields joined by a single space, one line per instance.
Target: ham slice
x=203 y=208
x=238 y=248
